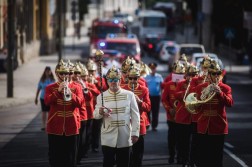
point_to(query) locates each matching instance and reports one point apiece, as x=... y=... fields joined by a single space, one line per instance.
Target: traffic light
x=74 y=9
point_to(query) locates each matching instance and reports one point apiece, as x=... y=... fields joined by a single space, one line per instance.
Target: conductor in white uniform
x=122 y=127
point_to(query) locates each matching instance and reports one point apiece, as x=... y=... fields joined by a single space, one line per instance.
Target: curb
x=15 y=102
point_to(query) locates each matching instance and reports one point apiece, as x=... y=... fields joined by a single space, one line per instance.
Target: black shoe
x=154 y=129
x=147 y=127
x=85 y=156
x=43 y=129
x=95 y=150
x=179 y=160
x=171 y=160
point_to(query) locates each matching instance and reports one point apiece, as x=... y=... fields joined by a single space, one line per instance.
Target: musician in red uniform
x=90 y=108
x=168 y=78
x=205 y=64
x=62 y=123
x=144 y=105
x=96 y=126
x=168 y=100
x=76 y=78
x=183 y=117
x=212 y=122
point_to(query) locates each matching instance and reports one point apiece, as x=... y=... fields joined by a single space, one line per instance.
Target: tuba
x=67 y=94
x=206 y=95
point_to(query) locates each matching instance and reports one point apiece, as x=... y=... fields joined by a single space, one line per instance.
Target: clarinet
x=132 y=88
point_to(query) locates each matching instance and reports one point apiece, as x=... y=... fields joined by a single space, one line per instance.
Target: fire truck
x=126 y=44
x=99 y=30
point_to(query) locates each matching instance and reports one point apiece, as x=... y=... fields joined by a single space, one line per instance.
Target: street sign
x=229 y=33
x=201 y=17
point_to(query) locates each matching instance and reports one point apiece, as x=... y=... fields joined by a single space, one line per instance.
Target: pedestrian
x=212 y=123
x=154 y=81
x=111 y=61
x=144 y=105
x=120 y=129
x=183 y=117
x=62 y=125
x=170 y=105
x=47 y=78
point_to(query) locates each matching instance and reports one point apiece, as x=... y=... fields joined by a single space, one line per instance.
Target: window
x=124 y=48
x=102 y=31
x=153 y=22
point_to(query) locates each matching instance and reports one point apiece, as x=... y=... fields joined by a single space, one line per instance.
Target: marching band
x=85 y=108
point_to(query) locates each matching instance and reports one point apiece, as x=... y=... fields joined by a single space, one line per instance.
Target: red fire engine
x=100 y=28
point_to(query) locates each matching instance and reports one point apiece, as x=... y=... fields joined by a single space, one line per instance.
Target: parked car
x=198 y=57
x=188 y=50
x=167 y=49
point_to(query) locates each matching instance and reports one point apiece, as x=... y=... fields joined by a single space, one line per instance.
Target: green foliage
x=83 y=8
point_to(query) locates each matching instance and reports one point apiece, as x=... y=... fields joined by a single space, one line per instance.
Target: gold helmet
x=206 y=62
x=192 y=69
x=70 y=66
x=61 y=67
x=84 y=72
x=214 y=67
x=127 y=64
x=90 y=65
x=134 y=71
x=113 y=73
x=179 y=68
x=186 y=65
x=76 y=68
x=81 y=65
x=144 y=69
x=183 y=58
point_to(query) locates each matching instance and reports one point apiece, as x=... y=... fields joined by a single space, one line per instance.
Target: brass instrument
x=67 y=94
x=92 y=79
x=175 y=108
x=206 y=95
x=84 y=88
x=204 y=73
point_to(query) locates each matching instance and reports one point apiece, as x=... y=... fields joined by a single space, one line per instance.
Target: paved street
x=23 y=144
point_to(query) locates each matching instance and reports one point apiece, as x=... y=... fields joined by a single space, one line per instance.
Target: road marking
x=239 y=115
x=242 y=103
x=235 y=157
x=236 y=125
x=228 y=145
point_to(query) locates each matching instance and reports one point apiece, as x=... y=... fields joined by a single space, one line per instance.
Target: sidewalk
x=27 y=76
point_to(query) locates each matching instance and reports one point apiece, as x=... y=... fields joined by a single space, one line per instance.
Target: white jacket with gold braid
x=118 y=129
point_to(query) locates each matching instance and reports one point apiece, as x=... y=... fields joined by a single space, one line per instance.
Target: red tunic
x=144 y=81
x=90 y=100
x=182 y=115
x=195 y=82
x=143 y=93
x=79 y=111
x=167 y=79
x=62 y=117
x=168 y=98
x=212 y=114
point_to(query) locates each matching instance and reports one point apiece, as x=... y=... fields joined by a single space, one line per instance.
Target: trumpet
x=67 y=94
x=84 y=88
x=92 y=79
